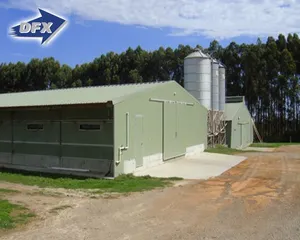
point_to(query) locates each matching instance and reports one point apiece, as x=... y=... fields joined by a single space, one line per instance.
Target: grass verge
x=121 y=184
x=272 y=145
x=224 y=150
x=12 y=215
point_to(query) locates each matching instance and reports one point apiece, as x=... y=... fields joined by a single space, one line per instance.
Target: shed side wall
x=242 y=129
x=61 y=143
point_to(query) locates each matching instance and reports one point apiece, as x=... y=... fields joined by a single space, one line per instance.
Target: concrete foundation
x=148 y=162
x=194 y=150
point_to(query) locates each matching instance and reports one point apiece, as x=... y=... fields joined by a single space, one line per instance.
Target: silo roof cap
x=197 y=54
x=215 y=60
x=221 y=65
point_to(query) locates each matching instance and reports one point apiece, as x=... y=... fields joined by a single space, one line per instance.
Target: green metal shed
x=239 y=128
x=100 y=131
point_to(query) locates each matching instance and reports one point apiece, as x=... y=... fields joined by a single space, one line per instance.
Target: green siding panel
x=37 y=149
x=5 y=130
x=49 y=135
x=95 y=165
x=5 y=136
x=41 y=142
x=33 y=160
x=5 y=158
x=139 y=139
x=72 y=134
x=5 y=147
x=92 y=150
x=104 y=153
x=191 y=123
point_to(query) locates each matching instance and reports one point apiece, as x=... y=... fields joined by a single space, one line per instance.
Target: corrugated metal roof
x=231 y=110
x=81 y=95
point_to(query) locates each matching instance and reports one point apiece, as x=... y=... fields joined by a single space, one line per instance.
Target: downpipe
x=122 y=148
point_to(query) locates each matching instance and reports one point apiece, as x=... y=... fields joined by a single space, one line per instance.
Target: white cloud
x=221 y=19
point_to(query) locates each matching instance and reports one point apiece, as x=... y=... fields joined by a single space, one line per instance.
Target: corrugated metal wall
x=5 y=137
x=77 y=138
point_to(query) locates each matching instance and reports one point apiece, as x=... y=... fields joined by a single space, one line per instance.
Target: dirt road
x=258 y=199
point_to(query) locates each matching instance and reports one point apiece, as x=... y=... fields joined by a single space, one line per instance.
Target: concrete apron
x=200 y=166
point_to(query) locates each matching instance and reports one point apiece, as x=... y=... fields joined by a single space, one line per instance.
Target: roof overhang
x=108 y=104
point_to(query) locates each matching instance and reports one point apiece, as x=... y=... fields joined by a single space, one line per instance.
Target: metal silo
x=215 y=85
x=197 y=77
x=222 y=87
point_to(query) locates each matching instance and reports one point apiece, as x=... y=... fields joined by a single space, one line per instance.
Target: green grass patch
x=225 y=150
x=3 y=190
x=272 y=145
x=121 y=184
x=12 y=215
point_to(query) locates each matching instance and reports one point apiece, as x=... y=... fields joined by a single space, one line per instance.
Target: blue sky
x=90 y=34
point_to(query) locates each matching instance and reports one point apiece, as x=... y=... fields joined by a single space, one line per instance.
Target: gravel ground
x=258 y=199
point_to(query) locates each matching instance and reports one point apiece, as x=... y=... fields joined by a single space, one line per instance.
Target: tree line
x=267 y=74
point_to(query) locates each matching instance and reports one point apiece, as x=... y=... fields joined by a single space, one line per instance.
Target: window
x=35 y=127
x=90 y=127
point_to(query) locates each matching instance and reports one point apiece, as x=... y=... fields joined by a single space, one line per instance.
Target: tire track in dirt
x=282 y=183
x=241 y=182
x=290 y=175
x=251 y=171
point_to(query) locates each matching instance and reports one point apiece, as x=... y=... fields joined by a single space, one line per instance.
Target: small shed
x=100 y=131
x=239 y=127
